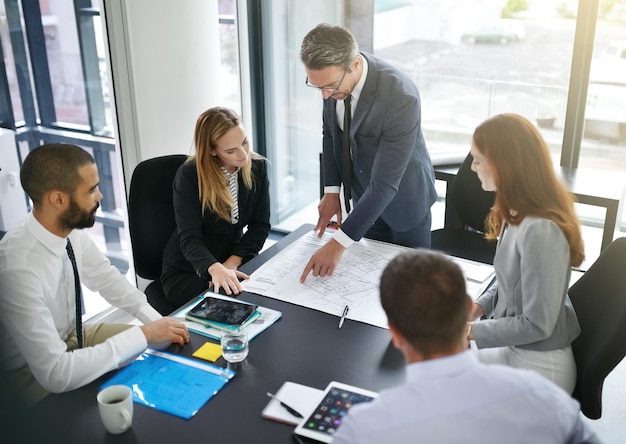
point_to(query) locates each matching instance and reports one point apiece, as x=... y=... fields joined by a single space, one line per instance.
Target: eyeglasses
x=328 y=89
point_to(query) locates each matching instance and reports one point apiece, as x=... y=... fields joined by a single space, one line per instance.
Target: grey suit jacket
x=529 y=304
x=393 y=177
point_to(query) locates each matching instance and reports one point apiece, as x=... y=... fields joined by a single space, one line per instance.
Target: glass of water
x=234 y=346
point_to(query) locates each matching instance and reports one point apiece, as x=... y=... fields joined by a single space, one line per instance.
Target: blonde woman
x=530 y=320
x=218 y=192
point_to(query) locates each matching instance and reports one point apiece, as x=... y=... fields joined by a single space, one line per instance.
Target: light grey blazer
x=528 y=306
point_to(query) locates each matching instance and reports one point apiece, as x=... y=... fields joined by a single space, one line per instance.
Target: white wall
x=165 y=59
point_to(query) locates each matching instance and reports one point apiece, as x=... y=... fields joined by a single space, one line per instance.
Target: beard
x=76 y=217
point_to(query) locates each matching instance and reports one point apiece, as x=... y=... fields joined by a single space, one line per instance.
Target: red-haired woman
x=530 y=321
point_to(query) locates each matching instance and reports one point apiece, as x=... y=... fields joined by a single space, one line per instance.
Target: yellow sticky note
x=209 y=351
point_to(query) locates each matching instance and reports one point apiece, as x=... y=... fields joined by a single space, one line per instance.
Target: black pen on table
x=290 y=409
x=346 y=309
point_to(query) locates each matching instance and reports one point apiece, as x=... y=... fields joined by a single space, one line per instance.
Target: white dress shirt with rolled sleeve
x=37 y=307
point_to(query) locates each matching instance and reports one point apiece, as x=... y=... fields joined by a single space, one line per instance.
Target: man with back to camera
x=449 y=396
x=40 y=338
x=388 y=173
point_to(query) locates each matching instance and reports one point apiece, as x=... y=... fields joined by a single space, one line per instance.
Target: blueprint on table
x=354 y=282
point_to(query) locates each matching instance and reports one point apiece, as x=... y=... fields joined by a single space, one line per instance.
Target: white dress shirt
x=457 y=399
x=37 y=307
x=340 y=236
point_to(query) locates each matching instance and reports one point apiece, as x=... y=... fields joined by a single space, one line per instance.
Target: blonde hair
x=526 y=182
x=213 y=189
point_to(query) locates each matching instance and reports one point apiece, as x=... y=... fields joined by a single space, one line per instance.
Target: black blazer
x=201 y=240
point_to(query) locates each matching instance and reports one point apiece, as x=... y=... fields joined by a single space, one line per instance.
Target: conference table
x=605 y=189
x=304 y=346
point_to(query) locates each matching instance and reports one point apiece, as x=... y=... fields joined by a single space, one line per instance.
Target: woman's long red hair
x=526 y=182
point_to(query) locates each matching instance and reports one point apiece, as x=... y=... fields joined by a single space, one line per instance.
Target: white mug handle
x=127 y=419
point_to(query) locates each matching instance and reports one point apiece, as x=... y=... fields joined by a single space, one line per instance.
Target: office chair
x=467 y=204
x=599 y=298
x=151 y=221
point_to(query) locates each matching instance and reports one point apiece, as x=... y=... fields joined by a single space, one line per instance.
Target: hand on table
x=165 y=330
x=226 y=278
x=324 y=260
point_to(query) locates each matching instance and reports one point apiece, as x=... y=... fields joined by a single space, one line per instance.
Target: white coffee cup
x=116 y=408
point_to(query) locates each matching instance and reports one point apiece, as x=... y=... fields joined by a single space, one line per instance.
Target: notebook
x=301 y=398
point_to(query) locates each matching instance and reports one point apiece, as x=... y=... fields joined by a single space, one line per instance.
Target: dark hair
x=526 y=182
x=327 y=45
x=424 y=296
x=53 y=167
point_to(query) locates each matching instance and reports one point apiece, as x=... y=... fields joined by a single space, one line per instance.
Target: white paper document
x=354 y=282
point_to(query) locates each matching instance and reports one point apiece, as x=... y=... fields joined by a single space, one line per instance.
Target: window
x=604 y=141
x=229 y=48
x=470 y=63
x=293 y=124
x=56 y=81
x=470 y=60
x=56 y=85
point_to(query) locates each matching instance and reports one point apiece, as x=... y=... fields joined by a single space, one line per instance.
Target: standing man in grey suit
x=383 y=163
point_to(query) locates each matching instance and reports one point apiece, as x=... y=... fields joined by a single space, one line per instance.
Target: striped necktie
x=77 y=294
x=232 y=185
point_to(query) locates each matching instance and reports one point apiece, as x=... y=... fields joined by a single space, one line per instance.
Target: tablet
x=222 y=310
x=334 y=404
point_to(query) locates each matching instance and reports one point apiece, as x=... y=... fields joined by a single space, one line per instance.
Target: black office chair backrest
x=467 y=205
x=151 y=212
x=467 y=197
x=599 y=298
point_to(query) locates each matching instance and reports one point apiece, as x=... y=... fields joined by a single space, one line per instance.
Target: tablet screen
x=338 y=398
x=221 y=310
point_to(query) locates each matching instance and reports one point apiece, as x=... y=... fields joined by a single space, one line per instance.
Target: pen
x=290 y=409
x=346 y=309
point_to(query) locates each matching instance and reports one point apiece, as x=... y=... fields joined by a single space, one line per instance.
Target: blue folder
x=170 y=383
